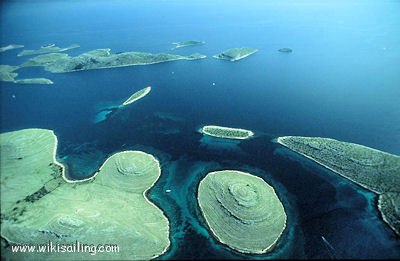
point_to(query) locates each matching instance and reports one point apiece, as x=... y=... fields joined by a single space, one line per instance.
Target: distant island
x=39 y=204
x=136 y=96
x=372 y=169
x=285 y=50
x=101 y=58
x=187 y=43
x=10 y=47
x=235 y=54
x=50 y=48
x=241 y=210
x=226 y=133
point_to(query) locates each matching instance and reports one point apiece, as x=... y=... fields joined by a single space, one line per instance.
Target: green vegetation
x=34 y=81
x=285 y=50
x=235 y=54
x=226 y=133
x=39 y=206
x=187 y=43
x=7 y=73
x=372 y=169
x=242 y=211
x=101 y=58
x=47 y=49
x=136 y=96
x=10 y=47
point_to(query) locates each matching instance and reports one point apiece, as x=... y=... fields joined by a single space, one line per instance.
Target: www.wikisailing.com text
x=76 y=247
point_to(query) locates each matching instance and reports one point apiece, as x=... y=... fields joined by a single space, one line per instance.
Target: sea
x=341 y=81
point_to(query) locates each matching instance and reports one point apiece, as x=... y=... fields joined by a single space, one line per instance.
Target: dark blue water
x=342 y=81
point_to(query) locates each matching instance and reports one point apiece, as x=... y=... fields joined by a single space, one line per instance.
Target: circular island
x=109 y=210
x=241 y=210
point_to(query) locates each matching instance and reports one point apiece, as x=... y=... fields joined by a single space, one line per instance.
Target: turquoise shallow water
x=341 y=81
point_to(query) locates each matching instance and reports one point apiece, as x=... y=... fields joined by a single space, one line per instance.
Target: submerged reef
x=372 y=169
x=39 y=205
x=226 y=133
x=50 y=48
x=137 y=95
x=235 y=54
x=101 y=58
x=285 y=50
x=242 y=211
x=10 y=47
x=187 y=43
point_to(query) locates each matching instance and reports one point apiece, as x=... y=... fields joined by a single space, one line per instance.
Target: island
x=34 y=81
x=187 y=43
x=111 y=111
x=242 y=211
x=285 y=50
x=50 y=48
x=10 y=47
x=100 y=59
x=372 y=169
x=226 y=132
x=7 y=73
x=136 y=96
x=39 y=205
x=235 y=54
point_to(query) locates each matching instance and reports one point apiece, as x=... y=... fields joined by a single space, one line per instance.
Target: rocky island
x=7 y=73
x=235 y=54
x=51 y=48
x=40 y=206
x=372 y=169
x=136 y=96
x=226 y=133
x=242 y=211
x=101 y=58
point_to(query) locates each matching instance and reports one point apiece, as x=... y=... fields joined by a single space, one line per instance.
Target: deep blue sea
x=342 y=81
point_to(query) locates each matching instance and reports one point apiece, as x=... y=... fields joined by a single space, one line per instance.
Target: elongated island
x=187 y=43
x=235 y=54
x=226 y=133
x=7 y=74
x=34 y=81
x=241 y=210
x=136 y=96
x=51 y=48
x=10 y=47
x=101 y=59
x=372 y=169
x=40 y=206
